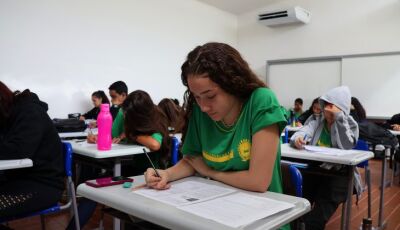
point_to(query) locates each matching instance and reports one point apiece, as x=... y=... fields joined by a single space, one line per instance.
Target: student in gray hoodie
x=337 y=129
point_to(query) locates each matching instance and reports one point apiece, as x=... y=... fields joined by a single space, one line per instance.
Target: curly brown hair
x=223 y=65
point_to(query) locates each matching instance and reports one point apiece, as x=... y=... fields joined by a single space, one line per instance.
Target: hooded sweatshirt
x=30 y=133
x=344 y=130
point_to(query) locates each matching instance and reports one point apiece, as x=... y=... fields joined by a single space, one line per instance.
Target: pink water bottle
x=104 y=125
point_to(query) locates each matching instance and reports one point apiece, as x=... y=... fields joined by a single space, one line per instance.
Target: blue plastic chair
x=292 y=182
x=290 y=173
x=67 y=150
x=175 y=150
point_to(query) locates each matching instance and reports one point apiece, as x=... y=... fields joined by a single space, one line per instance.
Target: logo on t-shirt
x=218 y=157
x=244 y=149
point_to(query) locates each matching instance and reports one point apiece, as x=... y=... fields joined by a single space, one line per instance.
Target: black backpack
x=69 y=125
x=377 y=135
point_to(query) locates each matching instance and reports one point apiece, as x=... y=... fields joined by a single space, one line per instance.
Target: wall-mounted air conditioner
x=287 y=16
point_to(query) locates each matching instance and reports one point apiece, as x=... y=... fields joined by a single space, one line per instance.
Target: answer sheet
x=237 y=209
x=328 y=151
x=184 y=193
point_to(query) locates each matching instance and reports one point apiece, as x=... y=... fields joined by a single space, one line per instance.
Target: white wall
x=337 y=27
x=64 y=50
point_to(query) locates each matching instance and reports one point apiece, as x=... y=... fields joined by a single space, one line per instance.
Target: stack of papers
x=224 y=205
x=328 y=151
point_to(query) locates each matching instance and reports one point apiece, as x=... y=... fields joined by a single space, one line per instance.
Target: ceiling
x=238 y=6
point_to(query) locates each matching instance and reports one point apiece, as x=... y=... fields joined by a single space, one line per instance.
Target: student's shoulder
x=263 y=96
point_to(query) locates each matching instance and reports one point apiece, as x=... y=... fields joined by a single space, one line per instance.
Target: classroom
x=242 y=79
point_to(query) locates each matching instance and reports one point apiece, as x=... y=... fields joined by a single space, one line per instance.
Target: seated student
x=118 y=92
x=297 y=109
x=314 y=112
x=393 y=123
x=173 y=114
x=98 y=98
x=357 y=111
x=294 y=113
x=26 y=131
x=232 y=124
x=145 y=124
x=337 y=129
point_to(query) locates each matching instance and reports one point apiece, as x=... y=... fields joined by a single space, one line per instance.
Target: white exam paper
x=237 y=209
x=184 y=193
x=328 y=151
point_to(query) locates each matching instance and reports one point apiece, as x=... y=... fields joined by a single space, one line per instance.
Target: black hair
x=120 y=87
x=299 y=100
x=100 y=94
x=359 y=109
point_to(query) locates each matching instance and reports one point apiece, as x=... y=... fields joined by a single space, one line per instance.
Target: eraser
x=127 y=185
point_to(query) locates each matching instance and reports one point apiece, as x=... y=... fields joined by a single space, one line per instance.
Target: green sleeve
x=266 y=111
x=158 y=137
x=118 y=125
x=191 y=145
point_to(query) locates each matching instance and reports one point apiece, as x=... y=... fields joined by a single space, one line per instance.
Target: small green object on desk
x=127 y=185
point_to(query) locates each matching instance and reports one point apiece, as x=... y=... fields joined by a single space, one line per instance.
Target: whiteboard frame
x=325 y=59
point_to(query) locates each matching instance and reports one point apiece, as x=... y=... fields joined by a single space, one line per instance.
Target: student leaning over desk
x=232 y=124
x=337 y=129
x=26 y=131
x=145 y=124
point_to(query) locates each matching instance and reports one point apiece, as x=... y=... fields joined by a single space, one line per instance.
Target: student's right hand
x=299 y=142
x=155 y=182
x=82 y=118
x=91 y=138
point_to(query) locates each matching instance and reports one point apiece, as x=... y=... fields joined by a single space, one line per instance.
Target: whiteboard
x=307 y=80
x=375 y=81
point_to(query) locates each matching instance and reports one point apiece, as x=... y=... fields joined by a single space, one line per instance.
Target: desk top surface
x=15 y=164
x=77 y=134
x=117 y=150
x=174 y=218
x=353 y=158
x=397 y=133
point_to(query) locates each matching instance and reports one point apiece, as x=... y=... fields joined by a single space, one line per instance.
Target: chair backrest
x=362 y=145
x=67 y=150
x=292 y=179
x=175 y=150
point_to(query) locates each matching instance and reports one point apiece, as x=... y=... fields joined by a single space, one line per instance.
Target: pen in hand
x=305 y=139
x=151 y=162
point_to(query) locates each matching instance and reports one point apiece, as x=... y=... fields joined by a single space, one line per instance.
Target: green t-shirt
x=118 y=124
x=140 y=161
x=325 y=137
x=228 y=149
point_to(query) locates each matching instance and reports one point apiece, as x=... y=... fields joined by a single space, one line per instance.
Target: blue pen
x=304 y=138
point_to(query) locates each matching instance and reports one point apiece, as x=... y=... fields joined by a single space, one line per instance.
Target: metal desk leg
x=117 y=172
x=383 y=182
x=349 y=196
x=343 y=219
